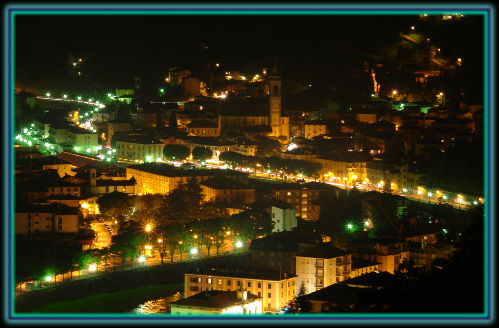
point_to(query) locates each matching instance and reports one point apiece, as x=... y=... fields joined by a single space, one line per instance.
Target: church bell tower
x=275 y=102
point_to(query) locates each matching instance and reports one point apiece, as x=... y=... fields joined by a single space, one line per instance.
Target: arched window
x=275 y=90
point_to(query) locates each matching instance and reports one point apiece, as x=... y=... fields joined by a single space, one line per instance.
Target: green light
x=88 y=150
x=114 y=150
x=194 y=251
x=65 y=96
x=148 y=158
x=430 y=194
x=76 y=148
x=350 y=226
x=108 y=159
x=162 y=90
x=48 y=94
x=373 y=95
x=239 y=244
x=79 y=98
x=405 y=189
x=48 y=278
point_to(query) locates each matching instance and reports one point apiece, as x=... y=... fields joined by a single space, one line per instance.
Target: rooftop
x=324 y=251
x=242 y=272
x=217 y=299
x=171 y=171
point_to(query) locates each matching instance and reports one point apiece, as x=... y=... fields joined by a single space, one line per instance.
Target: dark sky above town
x=303 y=46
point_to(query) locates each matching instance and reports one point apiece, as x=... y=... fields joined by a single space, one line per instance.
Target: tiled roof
x=324 y=251
x=215 y=299
x=221 y=182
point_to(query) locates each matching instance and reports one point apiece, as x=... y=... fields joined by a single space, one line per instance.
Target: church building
x=257 y=116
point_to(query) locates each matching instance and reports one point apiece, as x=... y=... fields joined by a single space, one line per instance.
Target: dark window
x=269 y=286
x=269 y=295
x=228 y=282
x=259 y=285
x=275 y=90
x=238 y=283
x=249 y=283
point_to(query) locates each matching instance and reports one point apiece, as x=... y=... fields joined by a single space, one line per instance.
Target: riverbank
x=116 y=302
x=170 y=274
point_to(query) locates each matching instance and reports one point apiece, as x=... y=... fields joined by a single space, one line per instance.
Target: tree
x=298 y=304
x=268 y=147
x=126 y=245
x=201 y=154
x=177 y=152
x=115 y=205
x=148 y=208
x=184 y=202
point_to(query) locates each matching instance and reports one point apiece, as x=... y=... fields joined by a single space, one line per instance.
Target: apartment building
x=138 y=149
x=275 y=288
x=322 y=266
x=153 y=178
x=387 y=251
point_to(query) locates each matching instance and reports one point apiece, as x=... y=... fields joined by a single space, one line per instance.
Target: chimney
x=93 y=177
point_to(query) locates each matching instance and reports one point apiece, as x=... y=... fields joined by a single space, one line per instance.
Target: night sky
x=306 y=48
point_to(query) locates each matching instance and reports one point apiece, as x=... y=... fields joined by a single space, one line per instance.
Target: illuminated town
x=193 y=165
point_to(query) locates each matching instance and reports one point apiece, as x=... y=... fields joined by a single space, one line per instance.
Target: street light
x=148 y=228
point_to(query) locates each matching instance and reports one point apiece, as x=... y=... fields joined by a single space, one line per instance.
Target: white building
x=322 y=266
x=219 y=302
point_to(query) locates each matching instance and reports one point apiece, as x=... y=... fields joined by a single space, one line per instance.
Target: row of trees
x=273 y=164
x=180 y=152
x=178 y=216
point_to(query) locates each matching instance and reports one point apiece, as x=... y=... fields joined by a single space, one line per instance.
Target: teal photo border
x=487 y=10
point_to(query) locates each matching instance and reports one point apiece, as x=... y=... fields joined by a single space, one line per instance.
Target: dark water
x=161 y=305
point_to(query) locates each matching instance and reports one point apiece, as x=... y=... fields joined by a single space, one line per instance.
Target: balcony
x=319 y=265
x=319 y=275
x=319 y=285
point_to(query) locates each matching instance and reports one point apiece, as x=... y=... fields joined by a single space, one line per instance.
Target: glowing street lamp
x=194 y=251
x=48 y=278
x=142 y=259
x=148 y=228
x=91 y=268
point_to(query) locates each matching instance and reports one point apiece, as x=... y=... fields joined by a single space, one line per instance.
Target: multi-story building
x=222 y=189
x=348 y=168
x=217 y=147
x=80 y=139
x=276 y=288
x=279 y=250
x=300 y=195
x=53 y=218
x=155 y=178
x=138 y=149
x=283 y=214
x=315 y=128
x=113 y=126
x=388 y=252
x=247 y=148
x=203 y=128
x=322 y=266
